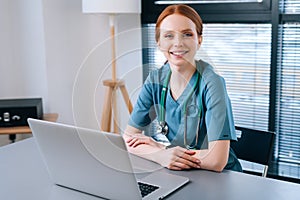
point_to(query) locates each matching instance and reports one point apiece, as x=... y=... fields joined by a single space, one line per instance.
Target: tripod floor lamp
x=112 y=8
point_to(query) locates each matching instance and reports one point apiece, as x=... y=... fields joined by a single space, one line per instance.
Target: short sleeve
x=141 y=115
x=219 y=118
x=147 y=106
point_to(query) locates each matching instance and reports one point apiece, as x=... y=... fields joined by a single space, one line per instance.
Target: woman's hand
x=177 y=158
x=134 y=140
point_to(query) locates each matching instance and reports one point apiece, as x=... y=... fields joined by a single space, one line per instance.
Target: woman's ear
x=158 y=45
x=199 y=41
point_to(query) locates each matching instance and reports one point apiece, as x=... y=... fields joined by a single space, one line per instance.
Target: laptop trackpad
x=166 y=182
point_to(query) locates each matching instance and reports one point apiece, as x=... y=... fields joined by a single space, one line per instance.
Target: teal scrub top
x=216 y=121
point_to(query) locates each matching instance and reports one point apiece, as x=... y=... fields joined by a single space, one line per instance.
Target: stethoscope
x=163 y=126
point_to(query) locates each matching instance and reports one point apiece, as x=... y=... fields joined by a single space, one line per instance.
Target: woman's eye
x=169 y=36
x=186 y=35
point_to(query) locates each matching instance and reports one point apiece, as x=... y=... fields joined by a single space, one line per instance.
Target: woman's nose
x=178 y=40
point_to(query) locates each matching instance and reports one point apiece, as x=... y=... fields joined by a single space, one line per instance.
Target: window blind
x=152 y=59
x=290 y=6
x=241 y=54
x=288 y=90
x=289 y=94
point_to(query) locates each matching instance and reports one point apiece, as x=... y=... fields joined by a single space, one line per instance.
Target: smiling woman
x=189 y=100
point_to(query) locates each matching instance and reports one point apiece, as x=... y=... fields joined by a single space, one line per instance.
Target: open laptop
x=96 y=163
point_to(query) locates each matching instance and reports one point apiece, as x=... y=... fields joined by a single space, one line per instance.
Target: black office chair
x=254 y=146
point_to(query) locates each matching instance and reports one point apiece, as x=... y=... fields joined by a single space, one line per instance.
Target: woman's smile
x=178 y=54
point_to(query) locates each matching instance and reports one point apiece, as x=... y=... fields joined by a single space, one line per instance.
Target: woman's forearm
x=146 y=151
x=215 y=157
x=143 y=150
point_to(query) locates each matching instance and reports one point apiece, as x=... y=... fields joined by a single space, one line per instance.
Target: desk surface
x=24 y=176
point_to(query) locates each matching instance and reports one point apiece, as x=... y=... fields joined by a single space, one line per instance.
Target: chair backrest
x=254 y=145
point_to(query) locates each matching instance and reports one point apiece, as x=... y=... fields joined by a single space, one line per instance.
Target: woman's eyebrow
x=170 y=30
x=167 y=31
x=185 y=30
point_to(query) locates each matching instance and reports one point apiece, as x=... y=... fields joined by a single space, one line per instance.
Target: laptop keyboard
x=146 y=188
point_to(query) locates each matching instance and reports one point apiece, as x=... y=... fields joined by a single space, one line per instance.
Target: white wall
x=22 y=52
x=49 y=48
x=22 y=58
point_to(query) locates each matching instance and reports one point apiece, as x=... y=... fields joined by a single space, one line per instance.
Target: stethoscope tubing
x=162 y=121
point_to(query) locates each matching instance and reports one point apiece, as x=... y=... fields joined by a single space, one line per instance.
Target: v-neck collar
x=186 y=90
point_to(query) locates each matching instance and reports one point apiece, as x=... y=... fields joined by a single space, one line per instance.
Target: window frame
x=266 y=12
x=222 y=12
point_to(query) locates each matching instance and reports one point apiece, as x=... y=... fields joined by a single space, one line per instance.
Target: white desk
x=23 y=176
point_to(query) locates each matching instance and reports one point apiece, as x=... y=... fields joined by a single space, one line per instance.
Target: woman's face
x=179 y=40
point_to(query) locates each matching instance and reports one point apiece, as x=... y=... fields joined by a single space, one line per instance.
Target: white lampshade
x=111 y=6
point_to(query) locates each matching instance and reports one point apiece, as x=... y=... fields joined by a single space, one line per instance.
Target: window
x=289 y=96
x=166 y=2
x=241 y=53
x=288 y=87
x=239 y=43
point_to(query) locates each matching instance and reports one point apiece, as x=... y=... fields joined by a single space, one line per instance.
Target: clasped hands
x=175 y=158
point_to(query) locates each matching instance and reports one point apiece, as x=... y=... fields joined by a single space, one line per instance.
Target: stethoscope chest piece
x=163 y=128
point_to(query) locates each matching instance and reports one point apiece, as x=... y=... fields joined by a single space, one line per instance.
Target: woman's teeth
x=178 y=53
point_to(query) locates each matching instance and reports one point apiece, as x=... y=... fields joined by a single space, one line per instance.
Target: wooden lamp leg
x=115 y=111
x=107 y=110
x=126 y=97
x=110 y=109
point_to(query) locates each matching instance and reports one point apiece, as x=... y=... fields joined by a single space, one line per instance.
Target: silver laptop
x=96 y=163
